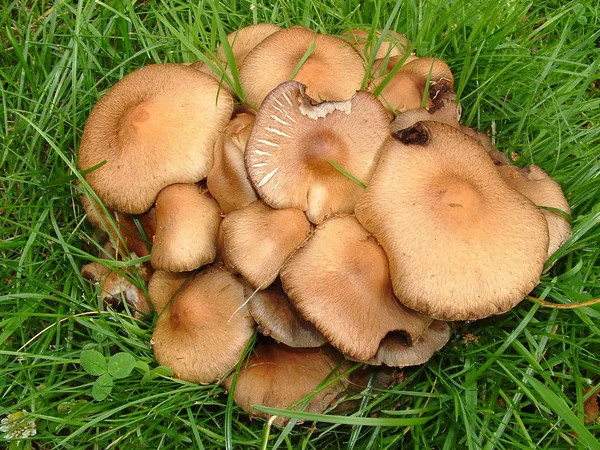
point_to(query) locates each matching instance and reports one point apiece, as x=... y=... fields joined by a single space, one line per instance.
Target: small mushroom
x=187 y=222
x=155 y=127
x=340 y=282
x=282 y=377
x=205 y=328
x=541 y=189
x=258 y=239
x=333 y=70
x=294 y=142
x=276 y=317
x=461 y=244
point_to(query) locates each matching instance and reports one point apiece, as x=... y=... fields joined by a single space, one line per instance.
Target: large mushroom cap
x=461 y=243
x=280 y=377
x=294 y=141
x=205 y=328
x=155 y=127
x=340 y=282
x=541 y=189
x=334 y=71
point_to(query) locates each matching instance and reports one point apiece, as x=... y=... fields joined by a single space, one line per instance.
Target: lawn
x=526 y=72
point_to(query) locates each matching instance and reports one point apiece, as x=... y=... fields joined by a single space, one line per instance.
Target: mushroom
x=155 y=127
x=294 y=142
x=393 y=45
x=541 y=189
x=444 y=108
x=394 y=352
x=116 y=289
x=163 y=287
x=461 y=244
x=276 y=317
x=205 y=328
x=244 y=40
x=332 y=70
x=282 y=377
x=187 y=222
x=340 y=282
x=228 y=180
x=258 y=239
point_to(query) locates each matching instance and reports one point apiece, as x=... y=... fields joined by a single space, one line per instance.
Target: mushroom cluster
x=335 y=204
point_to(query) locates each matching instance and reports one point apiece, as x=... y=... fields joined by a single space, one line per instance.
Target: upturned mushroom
x=155 y=127
x=294 y=142
x=332 y=70
x=187 y=222
x=205 y=328
x=340 y=282
x=462 y=245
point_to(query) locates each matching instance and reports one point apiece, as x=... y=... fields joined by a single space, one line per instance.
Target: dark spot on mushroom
x=418 y=134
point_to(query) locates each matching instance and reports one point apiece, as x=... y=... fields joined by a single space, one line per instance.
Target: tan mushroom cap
x=393 y=45
x=242 y=41
x=163 y=287
x=461 y=243
x=498 y=158
x=405 y=91
x=228 y=180
x=279 y=376
x=204 y=330
x=116 y=289
x=395 y=353
x=541 y=189
x=382 y=67
x=187 y=222
x=258 y=239
x=277 y=318
x=293 y=140
x=444 y=109
x=340 y=282
x=334 y=70
x=155 y=127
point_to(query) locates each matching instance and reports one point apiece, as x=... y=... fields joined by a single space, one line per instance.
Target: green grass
x=529 y=73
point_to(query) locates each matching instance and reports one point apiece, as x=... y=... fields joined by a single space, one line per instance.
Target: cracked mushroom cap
x=340 y=282
x=406 y=88
x=293 y=142
x=258 y=239
x=276 y=317
x=462 y=245
x=228 y=180
x=333 y=71
x=541 y=189
x=205 y=328
x=393 y=45
x=155 y=127
x=394 y=353
x=187 y=222
x=279 y=376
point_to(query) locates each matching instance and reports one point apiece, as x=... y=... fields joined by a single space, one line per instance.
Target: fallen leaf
x=590 y=407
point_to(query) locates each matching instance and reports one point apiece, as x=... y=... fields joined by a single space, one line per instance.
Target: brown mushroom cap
x=258 y=239
x=293 y=140
x=334 y=71
x=205 y=328
x=187 y=222
x=242 y=41
x=444 y=109
x=116 y=289
x=228 y=180
x=276 y=317
x=163 y=287
x=541 y=189
x=155 y=127
x=462 y=245
x=395 y=353
x=278 y=376
x=498 y=158
x=406 y=88
x=393 y=45
x=340 y=282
